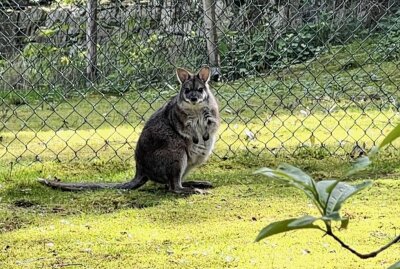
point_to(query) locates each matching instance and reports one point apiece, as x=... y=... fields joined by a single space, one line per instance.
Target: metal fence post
x=91 y=38
x=212 y=38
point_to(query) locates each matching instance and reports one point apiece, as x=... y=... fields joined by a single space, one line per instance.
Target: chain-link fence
x=80 y=77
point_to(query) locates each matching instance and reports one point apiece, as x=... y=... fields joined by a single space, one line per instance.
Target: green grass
x=90 y=137
x=150 y=228
x=343 y=97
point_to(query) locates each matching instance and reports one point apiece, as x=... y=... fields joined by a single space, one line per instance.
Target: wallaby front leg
x=210 y=124
x=211 y=127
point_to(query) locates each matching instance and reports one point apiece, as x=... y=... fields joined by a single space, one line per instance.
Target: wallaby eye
x=200 y=89
x=186 y=90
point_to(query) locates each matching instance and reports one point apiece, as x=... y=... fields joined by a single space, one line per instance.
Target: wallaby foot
x=188 y=191
x=197 y=184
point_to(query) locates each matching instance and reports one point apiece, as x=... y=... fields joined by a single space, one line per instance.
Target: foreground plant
x=328 y=196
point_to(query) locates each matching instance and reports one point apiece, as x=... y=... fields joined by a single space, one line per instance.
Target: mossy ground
x=151 y=228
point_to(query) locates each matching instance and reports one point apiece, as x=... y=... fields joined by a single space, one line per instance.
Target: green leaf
x=359 y=165
x=341 y=193
x=395 y=133
x=305 y=222
x=223 y=48
x=372 y=153
x=324 y=189
x=48 y=32
x=295 y=177
x=345 y=223
x=298 y=175
x=395 y=266
x=334 y=216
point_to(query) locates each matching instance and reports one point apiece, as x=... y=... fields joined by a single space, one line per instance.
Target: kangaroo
x=177 y=138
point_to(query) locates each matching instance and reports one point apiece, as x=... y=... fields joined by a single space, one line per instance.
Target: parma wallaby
x=177 y=138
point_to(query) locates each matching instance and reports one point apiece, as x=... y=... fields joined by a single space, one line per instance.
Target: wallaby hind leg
x=197 y=184
x=176 y=172
x=176 y=186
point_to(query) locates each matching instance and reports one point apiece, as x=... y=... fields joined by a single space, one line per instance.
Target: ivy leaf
x=305 y=222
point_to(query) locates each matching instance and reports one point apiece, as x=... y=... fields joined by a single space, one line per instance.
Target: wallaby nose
x=193 y=99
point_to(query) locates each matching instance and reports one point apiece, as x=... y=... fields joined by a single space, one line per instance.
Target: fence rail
x=79 y=77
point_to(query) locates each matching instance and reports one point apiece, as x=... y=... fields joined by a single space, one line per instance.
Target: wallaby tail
x=137 y=182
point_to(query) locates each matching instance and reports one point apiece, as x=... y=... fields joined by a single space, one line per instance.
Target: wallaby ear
x=182 y=75
x=204 y=74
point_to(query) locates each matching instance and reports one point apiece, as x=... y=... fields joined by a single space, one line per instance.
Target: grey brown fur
x=177 y=138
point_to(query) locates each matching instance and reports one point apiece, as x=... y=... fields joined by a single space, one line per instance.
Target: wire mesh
x=291 y=77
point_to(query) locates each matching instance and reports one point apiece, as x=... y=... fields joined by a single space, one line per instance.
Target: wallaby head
x=194 y=87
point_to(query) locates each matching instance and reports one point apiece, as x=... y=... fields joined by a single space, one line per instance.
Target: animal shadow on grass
x=28 y=203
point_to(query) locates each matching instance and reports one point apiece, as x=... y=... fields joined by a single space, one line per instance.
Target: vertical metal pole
x=91 y=39
x=212 y=38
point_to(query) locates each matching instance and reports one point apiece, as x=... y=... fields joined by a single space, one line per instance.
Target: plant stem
x=360 y=255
